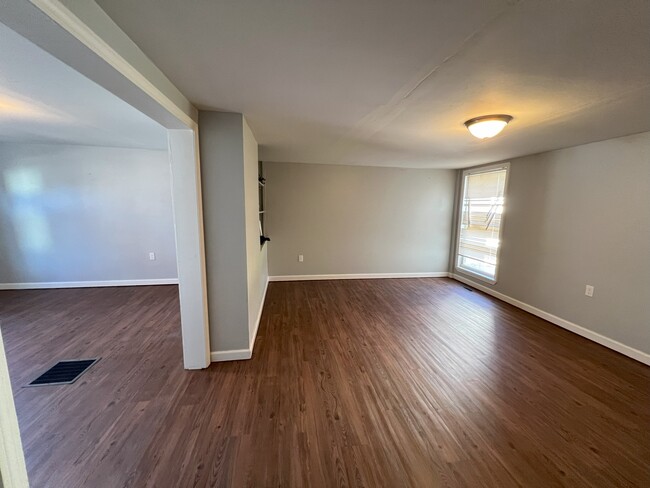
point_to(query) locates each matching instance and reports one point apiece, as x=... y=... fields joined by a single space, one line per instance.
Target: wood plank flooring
x=376 y=383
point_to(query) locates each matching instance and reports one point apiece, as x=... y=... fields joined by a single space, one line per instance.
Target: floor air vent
x=64 y=372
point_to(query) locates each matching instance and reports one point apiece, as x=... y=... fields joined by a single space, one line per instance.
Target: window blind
x=480 y=221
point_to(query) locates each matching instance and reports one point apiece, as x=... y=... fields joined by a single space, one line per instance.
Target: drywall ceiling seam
x=379 y=118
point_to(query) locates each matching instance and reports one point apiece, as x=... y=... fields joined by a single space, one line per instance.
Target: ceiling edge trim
x=63 y=16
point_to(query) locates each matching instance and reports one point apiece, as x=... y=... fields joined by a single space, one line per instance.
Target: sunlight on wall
x=24 y=187
x=13 y=106
x=23 y=181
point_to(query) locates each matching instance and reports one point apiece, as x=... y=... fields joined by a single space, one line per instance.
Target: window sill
x=473 y=274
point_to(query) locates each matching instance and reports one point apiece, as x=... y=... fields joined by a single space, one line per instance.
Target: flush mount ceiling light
x=487 y=126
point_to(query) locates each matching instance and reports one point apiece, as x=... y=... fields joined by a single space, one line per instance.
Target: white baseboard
x=365 y=276
x=232 y=355
x=565 y=324
x=87 y=284
x=554 y=319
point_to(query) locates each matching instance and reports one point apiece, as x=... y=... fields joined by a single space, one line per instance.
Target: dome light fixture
x=487 y=126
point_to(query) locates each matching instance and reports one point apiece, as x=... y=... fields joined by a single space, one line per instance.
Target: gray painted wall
x=222 y=181
x=236 y=266
x=84 y=213
x=581 y=216
x=353 y=220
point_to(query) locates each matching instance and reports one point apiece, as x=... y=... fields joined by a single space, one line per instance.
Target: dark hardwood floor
x=408 y=382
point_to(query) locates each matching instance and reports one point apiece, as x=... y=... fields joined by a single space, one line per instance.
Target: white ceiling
x=42 y=100
x=385 y=82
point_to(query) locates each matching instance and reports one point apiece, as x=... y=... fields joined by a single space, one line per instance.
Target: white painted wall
x=358 y=219
x=84 y=214
x=581 y=216
x=256 y=255
x=190 y=246
x=13 y=472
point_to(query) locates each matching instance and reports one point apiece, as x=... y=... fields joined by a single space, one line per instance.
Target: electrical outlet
x=589 y=290
x=301 y=258
x=152 y=256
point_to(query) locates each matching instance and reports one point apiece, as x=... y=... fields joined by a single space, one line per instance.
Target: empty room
x=318 y=243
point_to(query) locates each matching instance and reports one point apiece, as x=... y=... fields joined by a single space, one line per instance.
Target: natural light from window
x=481 y=217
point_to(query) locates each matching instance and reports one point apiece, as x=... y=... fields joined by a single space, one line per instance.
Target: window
x=480 y=221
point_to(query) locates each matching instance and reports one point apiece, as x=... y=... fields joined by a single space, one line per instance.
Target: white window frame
x=461 y=195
